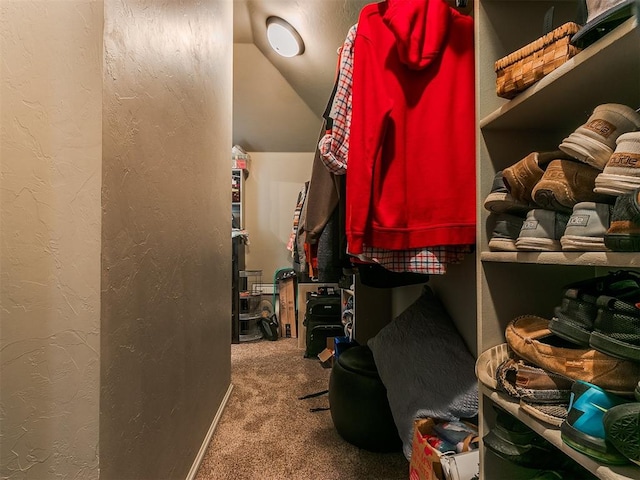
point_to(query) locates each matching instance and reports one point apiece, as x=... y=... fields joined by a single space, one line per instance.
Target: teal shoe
x=583 y=430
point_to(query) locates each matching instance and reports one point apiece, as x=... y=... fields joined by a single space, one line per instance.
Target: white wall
x=166 y=233
x=268 y=114
x=114 y=175
x=271 y=193
x=50 y=180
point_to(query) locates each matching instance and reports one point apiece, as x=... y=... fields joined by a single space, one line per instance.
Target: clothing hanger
x=464 y=6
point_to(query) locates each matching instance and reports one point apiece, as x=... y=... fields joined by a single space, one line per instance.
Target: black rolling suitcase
x=323 y=319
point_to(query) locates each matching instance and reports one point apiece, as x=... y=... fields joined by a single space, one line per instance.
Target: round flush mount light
x=283 y=38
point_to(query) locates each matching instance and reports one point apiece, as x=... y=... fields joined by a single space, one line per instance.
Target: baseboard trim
x=205 y=444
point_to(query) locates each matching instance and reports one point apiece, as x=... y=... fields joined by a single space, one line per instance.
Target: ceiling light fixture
x=283 y=38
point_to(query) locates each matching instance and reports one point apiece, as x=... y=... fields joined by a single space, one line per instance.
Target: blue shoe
x=583 y=430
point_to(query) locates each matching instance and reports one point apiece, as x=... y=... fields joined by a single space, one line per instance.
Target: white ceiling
x=278 y=102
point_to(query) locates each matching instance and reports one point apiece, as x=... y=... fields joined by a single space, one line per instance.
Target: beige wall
x=268 y=114
x=50 y=162
x=272 y=190
x=115 y=235
x=166 y=265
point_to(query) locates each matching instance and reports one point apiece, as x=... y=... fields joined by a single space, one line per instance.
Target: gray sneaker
x=505 y=233
x=586 y=227
x=542 y=230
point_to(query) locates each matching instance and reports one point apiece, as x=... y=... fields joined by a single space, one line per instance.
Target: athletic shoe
x=622 y=429
x=616 y=329
x=623 y=235
x=586 y=227
x=514 y=441
x=501 y=201
x=594 y=142
x=584 y=429
x=548 y=475
x=552 y=414
x=574 y=319
x=505 y=233
x=621 y=174
x=542 y=230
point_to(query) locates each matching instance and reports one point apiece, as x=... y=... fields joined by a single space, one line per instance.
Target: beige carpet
x=266 y=433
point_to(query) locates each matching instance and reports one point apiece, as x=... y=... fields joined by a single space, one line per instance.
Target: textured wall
x=271 y=194
x=166 y=256
x=50 y=161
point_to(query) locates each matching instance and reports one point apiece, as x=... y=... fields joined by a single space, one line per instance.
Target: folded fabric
x=425 y=366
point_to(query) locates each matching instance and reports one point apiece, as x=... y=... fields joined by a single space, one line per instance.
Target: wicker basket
x=524 y=67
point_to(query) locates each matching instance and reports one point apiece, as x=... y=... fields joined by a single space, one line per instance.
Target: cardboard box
x=428 y=463
x=335 y=346
x=327 y=356
x=287 y=305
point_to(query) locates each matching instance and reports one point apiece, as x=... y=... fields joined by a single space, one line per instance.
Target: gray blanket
x=425 y=366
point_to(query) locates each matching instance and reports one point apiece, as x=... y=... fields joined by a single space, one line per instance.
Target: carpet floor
x=267 y=433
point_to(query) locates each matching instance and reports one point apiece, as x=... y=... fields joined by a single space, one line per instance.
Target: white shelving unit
x=250 y=296
x=238 y=177
x=513 y=284
x=371 y=305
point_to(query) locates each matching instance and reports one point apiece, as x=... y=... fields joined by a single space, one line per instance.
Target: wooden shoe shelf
x=538 y=119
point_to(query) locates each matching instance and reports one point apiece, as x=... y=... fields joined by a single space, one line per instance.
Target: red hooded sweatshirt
x=411 y=165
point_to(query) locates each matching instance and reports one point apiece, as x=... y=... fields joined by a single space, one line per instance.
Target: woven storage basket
x=524 y=67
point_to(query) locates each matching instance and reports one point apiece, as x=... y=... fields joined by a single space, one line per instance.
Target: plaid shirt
x=334 y=146
x=432 y=260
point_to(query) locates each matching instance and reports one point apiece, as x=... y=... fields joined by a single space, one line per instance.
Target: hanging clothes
x=291 y=243
x=334 y=148
x=411 y=181
x=322 y=199
x=334 y=145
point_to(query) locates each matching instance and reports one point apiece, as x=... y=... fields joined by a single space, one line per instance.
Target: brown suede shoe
x=530 y=338
x=566 y=183
x=521 y=177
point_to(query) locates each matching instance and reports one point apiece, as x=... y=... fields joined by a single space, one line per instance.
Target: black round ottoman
x=358 y=402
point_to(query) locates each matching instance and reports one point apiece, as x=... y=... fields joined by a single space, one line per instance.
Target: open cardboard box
x=427 y=463
x=335 y=346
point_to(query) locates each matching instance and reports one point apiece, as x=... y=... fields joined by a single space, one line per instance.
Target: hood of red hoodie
x=420 y=28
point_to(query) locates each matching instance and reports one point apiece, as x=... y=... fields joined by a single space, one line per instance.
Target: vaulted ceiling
x=278 y=101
